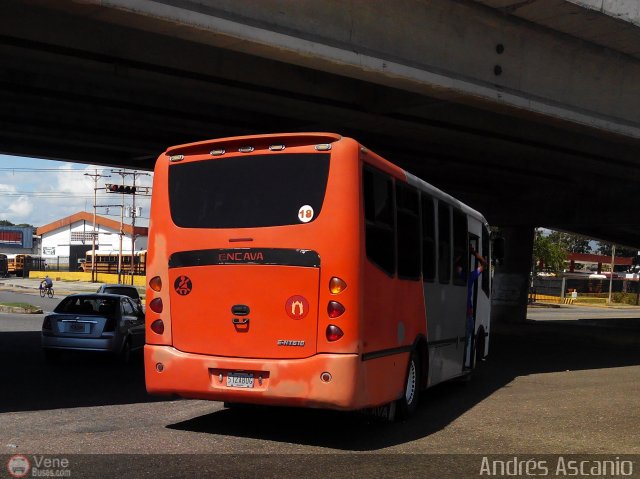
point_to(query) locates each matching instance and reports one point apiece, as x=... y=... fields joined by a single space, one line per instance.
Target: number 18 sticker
x=305 y=213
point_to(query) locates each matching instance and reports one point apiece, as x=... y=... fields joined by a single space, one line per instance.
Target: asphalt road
x=30 y=297
x=545 y=389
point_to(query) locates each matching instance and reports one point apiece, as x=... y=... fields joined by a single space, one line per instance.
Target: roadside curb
x=18 y=310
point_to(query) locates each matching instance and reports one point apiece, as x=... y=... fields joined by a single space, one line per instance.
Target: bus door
x=472 y=302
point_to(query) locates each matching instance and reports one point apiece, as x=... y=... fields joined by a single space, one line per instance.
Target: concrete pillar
x=511 y=277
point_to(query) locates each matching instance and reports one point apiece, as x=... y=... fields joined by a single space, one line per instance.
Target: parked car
x=94 y=322
x=124 y=289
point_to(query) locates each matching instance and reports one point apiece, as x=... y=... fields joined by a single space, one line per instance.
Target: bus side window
x=428 y=239
x=444 y=242
x=378 y=210
x=408 y=218
x=460 y=248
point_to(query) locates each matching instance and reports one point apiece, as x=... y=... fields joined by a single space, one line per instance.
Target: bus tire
x=408 y=403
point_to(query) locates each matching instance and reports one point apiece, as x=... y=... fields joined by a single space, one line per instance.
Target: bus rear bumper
x=285 y=382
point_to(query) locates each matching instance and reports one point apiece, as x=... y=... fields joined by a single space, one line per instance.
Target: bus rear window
x=248 y=191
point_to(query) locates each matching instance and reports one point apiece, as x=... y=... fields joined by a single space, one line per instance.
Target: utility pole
x=96 y=176
x=613 y=262
x=121 y=233
x=134 y=174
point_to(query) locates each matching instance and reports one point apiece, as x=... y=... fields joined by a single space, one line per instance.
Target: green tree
x=621 y=251
x=548 y=251
x=6 y=223
x=572 y=243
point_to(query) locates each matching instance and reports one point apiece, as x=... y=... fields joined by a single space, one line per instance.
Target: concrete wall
x=86 y=277
x=441 y=48
x=627 y=10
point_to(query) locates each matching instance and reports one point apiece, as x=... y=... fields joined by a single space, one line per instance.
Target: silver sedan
x=94 y=322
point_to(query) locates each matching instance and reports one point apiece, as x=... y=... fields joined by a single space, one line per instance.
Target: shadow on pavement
x=29 y=383
x=516 y=350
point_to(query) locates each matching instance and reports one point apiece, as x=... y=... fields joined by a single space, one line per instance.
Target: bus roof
x=233 y=142
x=441 y=195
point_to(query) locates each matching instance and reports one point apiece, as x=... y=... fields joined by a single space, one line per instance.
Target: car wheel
x=408 y=403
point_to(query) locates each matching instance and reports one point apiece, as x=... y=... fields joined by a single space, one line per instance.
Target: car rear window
x=248 y=191
x=130 y=292
x=87 y=305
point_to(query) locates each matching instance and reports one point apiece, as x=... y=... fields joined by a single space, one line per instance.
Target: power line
x=61 y=194
x=44 y=170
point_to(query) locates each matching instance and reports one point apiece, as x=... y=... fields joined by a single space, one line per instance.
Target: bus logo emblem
x=296 y=307
x=183 y=285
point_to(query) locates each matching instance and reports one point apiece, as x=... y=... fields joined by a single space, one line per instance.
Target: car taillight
x=156 y=305
x=336 y=285
x=46 y=324
x=334 y=309
x=334 y=333
x=157 y=326
x=155 y=283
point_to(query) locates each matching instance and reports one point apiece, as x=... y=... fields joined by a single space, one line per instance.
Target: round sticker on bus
x=183 y=285
x=305 y=213
x=297 y=307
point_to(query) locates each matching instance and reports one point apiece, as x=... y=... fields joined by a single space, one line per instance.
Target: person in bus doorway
x=473 y=277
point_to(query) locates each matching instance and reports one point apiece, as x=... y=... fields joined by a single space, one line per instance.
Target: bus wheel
x=408 y=403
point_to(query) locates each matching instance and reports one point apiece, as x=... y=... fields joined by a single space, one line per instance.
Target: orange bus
x=305 y=270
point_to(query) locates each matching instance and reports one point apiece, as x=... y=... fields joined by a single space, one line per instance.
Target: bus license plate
x=240 y=380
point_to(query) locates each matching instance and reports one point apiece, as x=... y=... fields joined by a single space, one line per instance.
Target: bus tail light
x=157 y=326
x=335 y=309
x=155 y=283
x=336 y=285
x=156 y=305
x=334 y=333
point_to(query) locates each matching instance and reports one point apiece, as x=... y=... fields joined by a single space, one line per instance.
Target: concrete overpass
x=527 y=110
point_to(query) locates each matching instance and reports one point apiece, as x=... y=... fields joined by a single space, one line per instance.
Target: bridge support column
x=511 y=278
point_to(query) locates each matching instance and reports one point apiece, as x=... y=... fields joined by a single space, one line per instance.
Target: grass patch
x=583 y=300
x=27 y=306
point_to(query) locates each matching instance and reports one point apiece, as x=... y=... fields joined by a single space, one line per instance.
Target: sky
x=38 y=191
